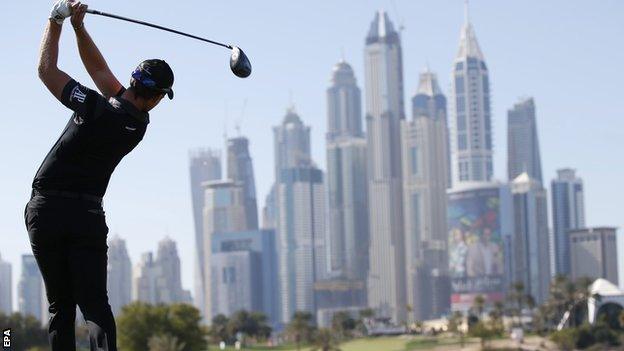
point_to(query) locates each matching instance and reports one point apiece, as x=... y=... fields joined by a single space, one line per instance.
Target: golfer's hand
x=60 y=11
x=78 y=13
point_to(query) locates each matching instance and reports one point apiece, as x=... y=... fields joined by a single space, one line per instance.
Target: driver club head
x=239 y=63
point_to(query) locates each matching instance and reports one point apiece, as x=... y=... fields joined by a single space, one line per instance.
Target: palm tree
x=300 y=327
x=454 y=325
x=568 y=296
x=478 y=304
x=165 y=342
x=516 y=301
x=325 y=340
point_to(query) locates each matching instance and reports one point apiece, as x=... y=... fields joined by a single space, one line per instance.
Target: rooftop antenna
x=237 y=126
x=466 y=12
x=291 y=104
x=399 y=18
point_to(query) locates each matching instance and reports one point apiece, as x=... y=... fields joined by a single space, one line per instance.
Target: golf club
x=239 y=63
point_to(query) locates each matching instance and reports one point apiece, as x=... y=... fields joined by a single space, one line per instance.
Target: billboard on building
x=476 y=260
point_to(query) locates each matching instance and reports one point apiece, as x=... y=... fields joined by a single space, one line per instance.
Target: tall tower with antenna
x=384 y=112
x=470 y=122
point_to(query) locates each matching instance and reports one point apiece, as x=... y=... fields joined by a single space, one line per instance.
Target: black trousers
x=68 y=240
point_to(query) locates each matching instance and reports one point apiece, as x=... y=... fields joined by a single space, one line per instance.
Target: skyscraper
x=291 y=143
x=384 y=112
x=523 y=154
x=224 y=211
x=119 y=283
x=531 y=253
x=300 y=220
x=158 y=280
x=301 y=238
x=235 y=282
x=593 y=253
x=205 y=165
x=568 y=213
x=470 y=123
x=6 y=287
x=269 y=211
x=30 y=290
x=424 y=150
x=240 y=169
x=168 y=262
x=245 y=262
x=346 y=176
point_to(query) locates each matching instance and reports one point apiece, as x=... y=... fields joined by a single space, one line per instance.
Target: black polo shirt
x=98 y=135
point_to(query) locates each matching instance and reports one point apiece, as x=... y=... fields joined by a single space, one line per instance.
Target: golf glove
x=60 y=11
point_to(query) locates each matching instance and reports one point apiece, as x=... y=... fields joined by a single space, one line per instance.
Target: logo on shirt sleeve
x=78 y=95
x=78 y=120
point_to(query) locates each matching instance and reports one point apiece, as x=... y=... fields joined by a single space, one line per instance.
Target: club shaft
x=100 y=13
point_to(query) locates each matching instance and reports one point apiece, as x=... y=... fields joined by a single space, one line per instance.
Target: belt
x=68 y=195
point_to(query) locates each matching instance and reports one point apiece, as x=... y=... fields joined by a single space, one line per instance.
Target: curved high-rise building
x=384 y=112
x=240 y=169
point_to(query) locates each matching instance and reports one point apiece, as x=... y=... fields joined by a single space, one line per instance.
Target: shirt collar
x=131 y=109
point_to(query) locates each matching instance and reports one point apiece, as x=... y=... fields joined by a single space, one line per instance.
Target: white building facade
x=6 y=288
x=346 y=176
x=119 y=275
x=384 y=112
x=424 y=151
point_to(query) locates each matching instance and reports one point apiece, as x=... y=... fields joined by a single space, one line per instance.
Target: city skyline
x=587 y=168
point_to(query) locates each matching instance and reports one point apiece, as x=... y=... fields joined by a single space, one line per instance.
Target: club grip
x=93 y=12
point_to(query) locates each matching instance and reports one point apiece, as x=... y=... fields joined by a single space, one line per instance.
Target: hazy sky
x=567 y=54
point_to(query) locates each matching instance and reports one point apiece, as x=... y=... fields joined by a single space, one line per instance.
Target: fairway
x=376 y=344
x=397 y=343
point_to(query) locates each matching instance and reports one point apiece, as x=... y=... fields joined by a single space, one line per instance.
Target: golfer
x=64 y=217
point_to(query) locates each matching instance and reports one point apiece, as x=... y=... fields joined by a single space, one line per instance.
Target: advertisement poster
x=476 y=261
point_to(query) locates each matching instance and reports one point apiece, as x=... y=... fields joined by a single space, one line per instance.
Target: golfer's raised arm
x=49 y=73
x=91 y=56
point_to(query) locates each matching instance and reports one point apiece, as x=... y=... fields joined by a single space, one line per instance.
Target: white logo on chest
x=78 y=120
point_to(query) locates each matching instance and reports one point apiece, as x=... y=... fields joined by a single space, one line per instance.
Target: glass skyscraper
x=425 y=173
x=300 y=217
x=346 y=176
x=470 y=123
x=205 y=165
x=568 y=213
x=384 y=112
x=523 y=153
x=240 y=169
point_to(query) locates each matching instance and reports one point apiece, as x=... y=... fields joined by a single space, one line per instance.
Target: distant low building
x=593 y=253
x=157 y=280
x=244 y=273
x=338 y=295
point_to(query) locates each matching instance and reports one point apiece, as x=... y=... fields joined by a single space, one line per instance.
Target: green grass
x=396 y=343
